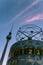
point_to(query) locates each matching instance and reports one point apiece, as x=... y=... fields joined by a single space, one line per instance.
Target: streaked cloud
x=23 y=11
x=37 y=17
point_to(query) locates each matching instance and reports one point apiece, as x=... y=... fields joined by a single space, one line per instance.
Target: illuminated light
x=38 y=51
x=30 y=51
x=24 y=51
x=30 y=60
x=39 y=62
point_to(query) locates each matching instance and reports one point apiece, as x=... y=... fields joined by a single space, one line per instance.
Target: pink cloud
x=23 y=11
x=37 y=17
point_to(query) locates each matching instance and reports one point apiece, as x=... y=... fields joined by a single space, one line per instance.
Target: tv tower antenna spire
x=5 y=48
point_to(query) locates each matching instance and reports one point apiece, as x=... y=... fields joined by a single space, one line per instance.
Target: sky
x=18 y=13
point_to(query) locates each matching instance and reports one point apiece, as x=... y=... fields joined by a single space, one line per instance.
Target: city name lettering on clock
x=28 y=50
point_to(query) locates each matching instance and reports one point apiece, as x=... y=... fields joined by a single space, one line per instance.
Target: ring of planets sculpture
x=28 y=50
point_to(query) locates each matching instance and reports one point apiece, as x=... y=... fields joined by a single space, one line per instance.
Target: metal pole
x=4 y=51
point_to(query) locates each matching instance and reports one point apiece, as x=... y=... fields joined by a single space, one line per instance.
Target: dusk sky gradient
x=18 y=12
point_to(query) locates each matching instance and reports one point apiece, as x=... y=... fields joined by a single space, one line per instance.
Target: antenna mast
x=5 y=48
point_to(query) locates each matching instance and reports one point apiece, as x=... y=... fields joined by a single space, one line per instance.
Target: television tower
x=5 y=48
